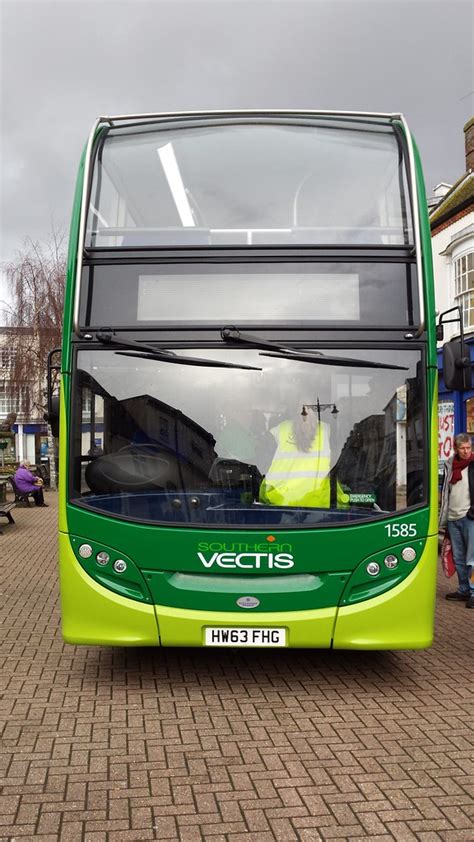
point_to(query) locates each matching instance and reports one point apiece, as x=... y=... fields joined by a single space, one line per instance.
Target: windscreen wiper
x=321 y=359
x=147 y=352
x=232 y=334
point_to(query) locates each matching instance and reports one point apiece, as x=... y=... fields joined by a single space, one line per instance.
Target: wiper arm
x=147 y=352
x=231 y=334
x=124 y=342
x=320 y=359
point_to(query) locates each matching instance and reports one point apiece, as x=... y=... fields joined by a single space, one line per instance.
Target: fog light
x=373 y=568
x=102 y=558
x=408 y=554
x=120 y=566
x=85 y=551
x=390 y=561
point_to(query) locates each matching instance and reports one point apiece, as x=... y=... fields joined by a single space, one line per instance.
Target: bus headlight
x=390 y=561
x=408 y=554
x=102 y=558
x=373 y=568
x=85 y=551
x=120 y=565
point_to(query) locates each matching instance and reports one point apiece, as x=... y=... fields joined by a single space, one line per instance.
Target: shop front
x=455 y=412
x=31 y=443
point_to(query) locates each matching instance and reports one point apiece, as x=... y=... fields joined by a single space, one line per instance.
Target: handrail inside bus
x=344 y=115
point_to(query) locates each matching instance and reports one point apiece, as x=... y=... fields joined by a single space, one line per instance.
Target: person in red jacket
x=457 y=514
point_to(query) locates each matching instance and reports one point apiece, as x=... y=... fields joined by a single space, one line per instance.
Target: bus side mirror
x=52 y=416
x=457 y=370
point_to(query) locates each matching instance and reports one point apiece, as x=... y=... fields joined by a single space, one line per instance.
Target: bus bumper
x=93 y=615
x=401 y=618
x=304 y=629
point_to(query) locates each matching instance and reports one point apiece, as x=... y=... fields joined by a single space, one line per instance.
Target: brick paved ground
x=225 y=746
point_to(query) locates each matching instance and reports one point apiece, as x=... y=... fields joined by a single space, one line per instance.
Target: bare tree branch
x=34 y=317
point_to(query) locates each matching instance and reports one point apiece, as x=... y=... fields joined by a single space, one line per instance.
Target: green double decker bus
x=248 y=385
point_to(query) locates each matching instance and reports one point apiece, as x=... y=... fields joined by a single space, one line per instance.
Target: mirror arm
x=442 y=321
x=49 y=380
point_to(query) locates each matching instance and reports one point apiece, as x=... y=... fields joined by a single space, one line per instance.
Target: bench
x=19 y=496
x=6 y=511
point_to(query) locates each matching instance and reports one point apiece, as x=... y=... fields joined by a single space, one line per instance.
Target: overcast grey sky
x=65 y=62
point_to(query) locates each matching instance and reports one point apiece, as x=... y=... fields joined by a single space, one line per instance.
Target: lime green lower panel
x=305 y=629
x=402 y=618
x=93 y=615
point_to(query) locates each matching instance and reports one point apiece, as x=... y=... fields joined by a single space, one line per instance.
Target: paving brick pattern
x=225 y=746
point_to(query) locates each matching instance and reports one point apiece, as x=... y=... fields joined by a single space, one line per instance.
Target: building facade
x=452 y=232
x=22 y=425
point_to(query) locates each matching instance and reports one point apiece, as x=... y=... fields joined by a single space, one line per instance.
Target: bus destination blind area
x=237 y=636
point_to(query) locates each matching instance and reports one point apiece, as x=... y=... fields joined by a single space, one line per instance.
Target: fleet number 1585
x=401 y=530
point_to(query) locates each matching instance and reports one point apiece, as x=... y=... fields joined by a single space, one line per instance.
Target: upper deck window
x=244 y=182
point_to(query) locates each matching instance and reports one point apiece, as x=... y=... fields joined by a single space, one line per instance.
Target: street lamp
x=319 y=407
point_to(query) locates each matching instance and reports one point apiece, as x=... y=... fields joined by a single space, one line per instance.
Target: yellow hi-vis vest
x=297 y=477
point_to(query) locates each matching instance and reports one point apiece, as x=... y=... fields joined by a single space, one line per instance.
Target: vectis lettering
x=247 y=561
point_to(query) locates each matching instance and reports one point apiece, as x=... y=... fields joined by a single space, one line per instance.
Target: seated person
x=27 y=483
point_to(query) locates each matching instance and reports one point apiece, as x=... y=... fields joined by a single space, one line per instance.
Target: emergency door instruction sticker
x=362 y=498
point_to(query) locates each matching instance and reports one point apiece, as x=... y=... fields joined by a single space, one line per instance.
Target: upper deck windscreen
x=250 y=183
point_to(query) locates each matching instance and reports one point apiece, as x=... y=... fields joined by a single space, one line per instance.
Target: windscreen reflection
x=292 y=444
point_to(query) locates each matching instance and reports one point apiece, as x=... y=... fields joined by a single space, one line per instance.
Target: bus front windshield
x=267 y=441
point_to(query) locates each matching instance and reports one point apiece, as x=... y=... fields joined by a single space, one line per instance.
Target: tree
x=34 y=315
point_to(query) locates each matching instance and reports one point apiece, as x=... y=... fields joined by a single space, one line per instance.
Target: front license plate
x=236 y=636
